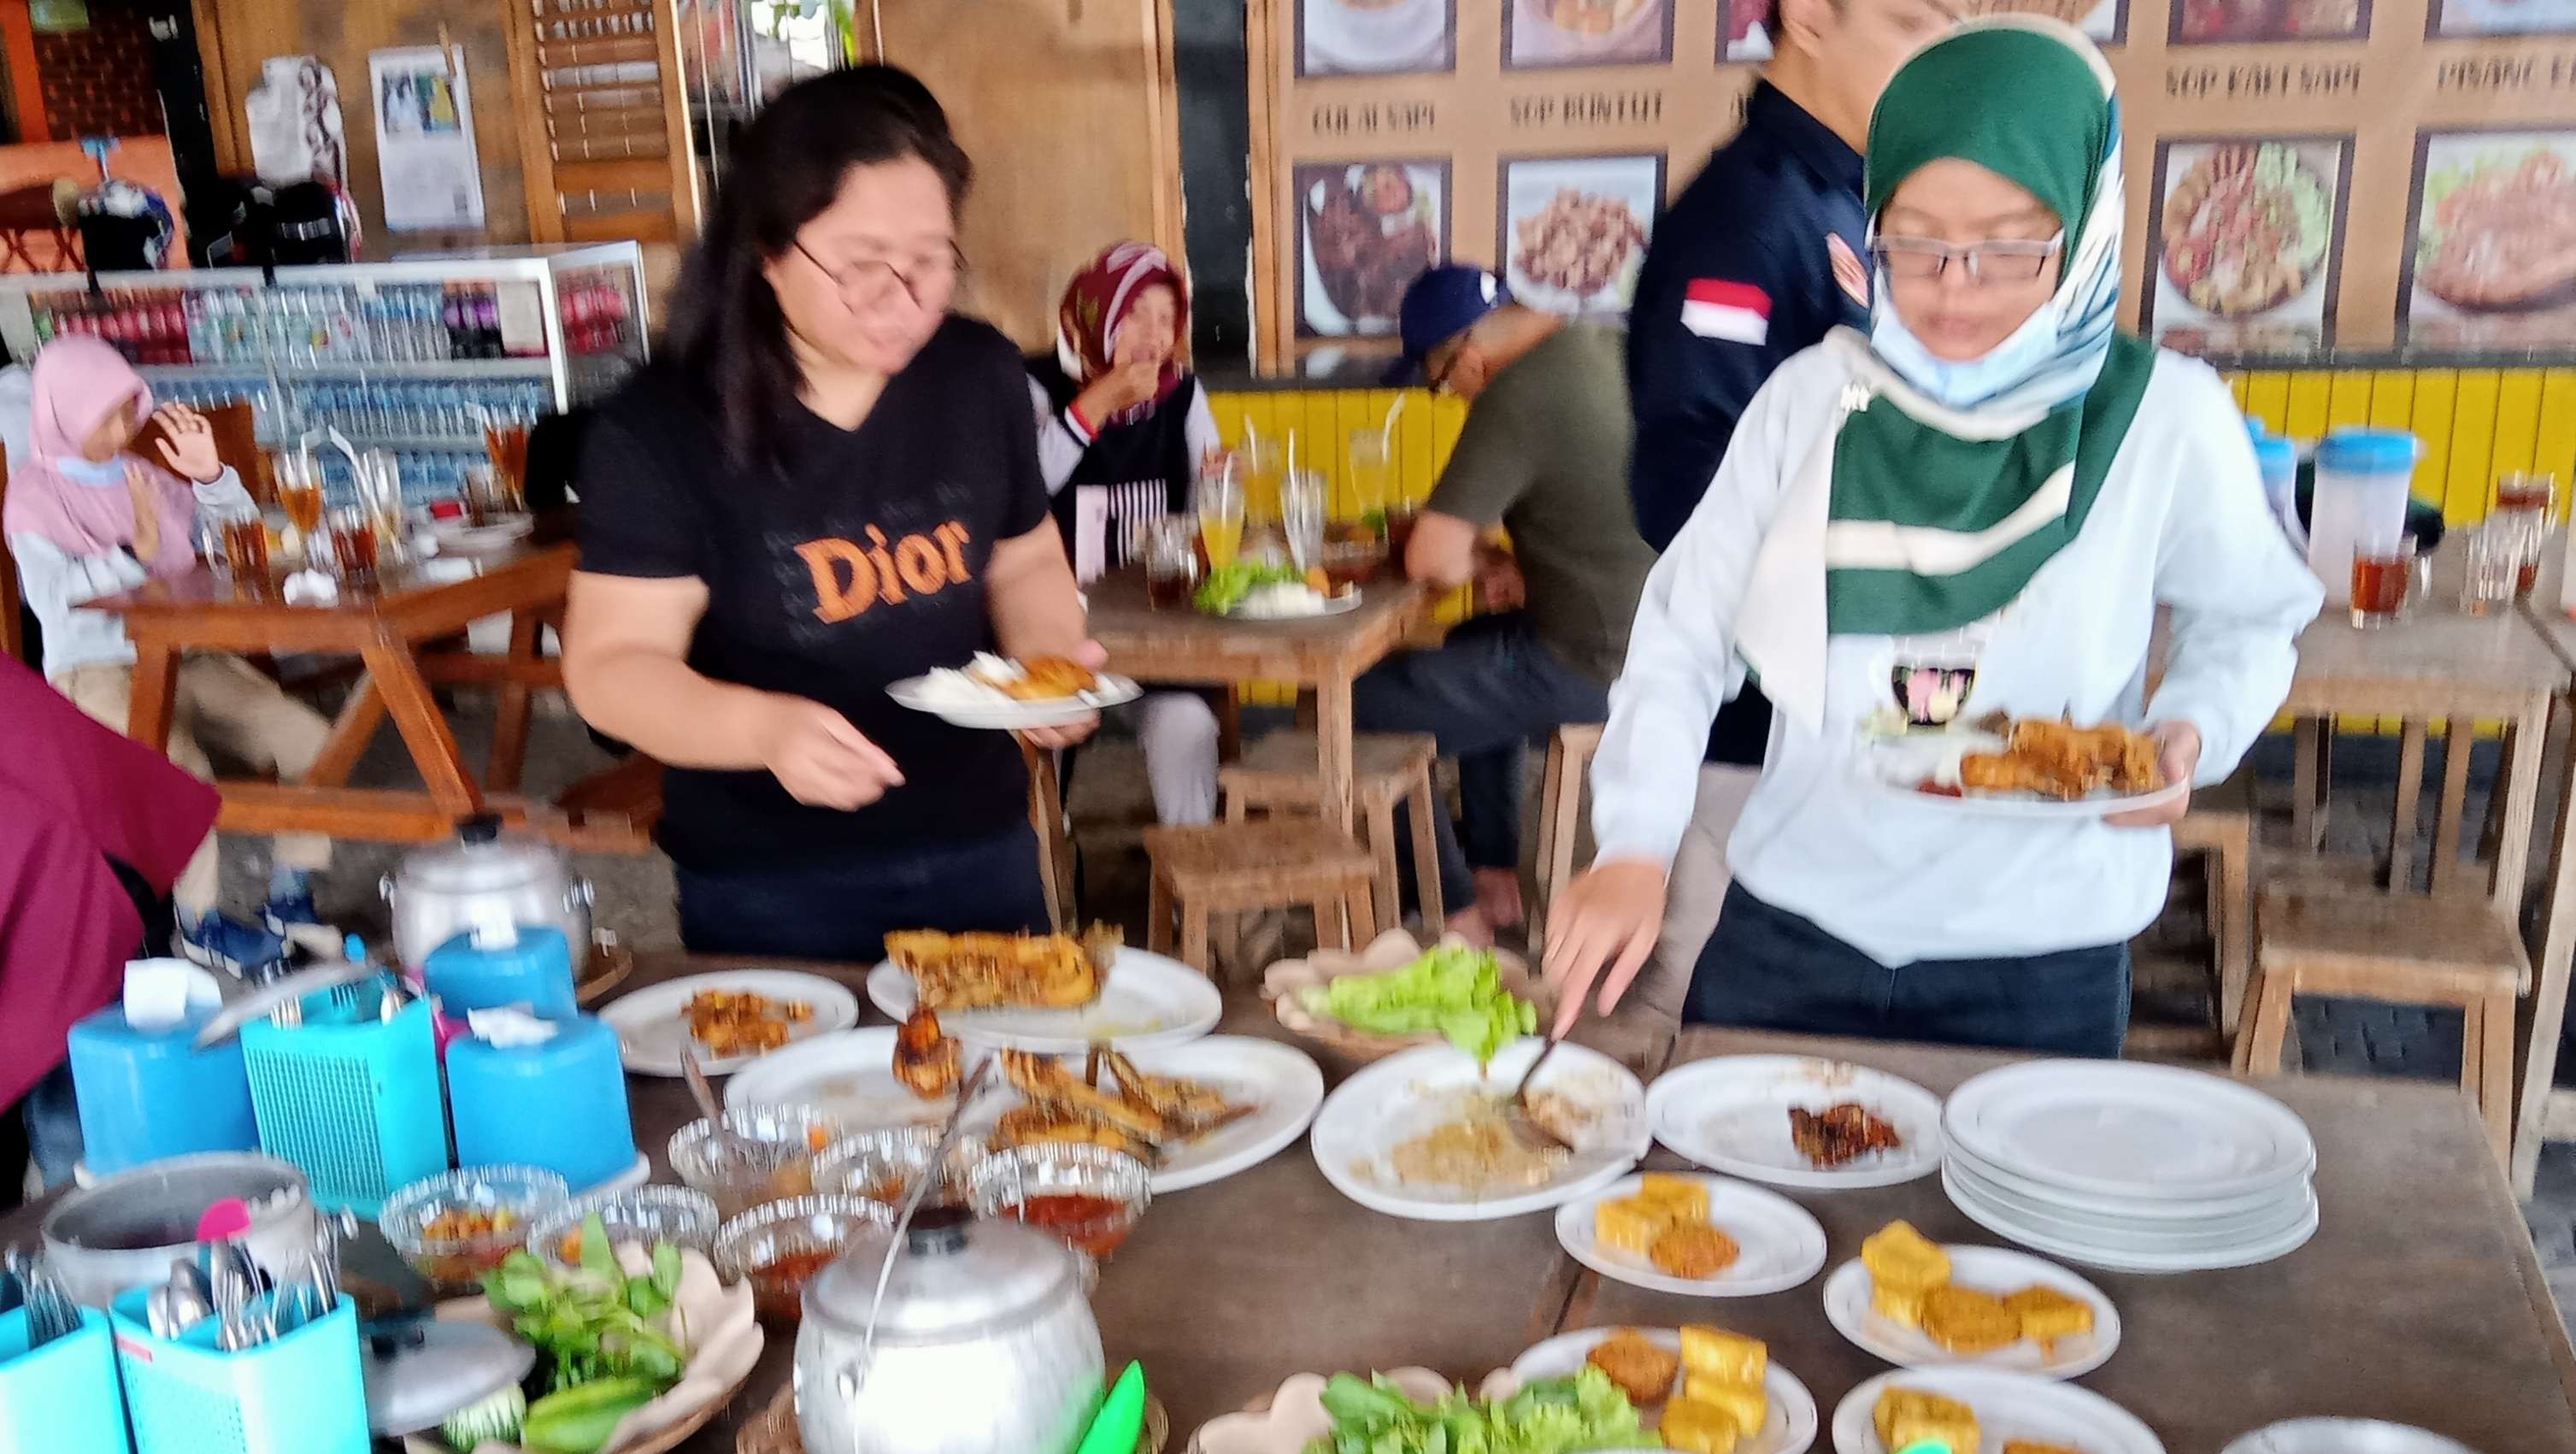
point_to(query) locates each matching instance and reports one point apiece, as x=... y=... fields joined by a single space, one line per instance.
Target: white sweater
x=2180 y=521
x=57 y=584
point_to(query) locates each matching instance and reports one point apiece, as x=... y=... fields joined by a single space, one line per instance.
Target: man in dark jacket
x=1758 y=259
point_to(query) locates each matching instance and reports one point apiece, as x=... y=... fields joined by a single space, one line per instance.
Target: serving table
x=2419 y=1300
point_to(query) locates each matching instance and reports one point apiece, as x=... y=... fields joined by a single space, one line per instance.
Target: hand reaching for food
x=821 y=759
x=1603 y=932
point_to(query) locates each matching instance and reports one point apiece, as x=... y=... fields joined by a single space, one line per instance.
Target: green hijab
x=1952 y=484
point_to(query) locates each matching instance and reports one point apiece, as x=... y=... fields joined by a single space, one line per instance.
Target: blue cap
x=2255 y=426
x=2275 y=455
x=1443 y=303
x=2369 y=451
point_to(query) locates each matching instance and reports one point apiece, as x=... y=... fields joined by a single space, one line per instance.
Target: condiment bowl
x=880 y=1165
x=645 y=1215
x=515 y=1196
x=780 y=1246
x=761 y=1154
x=1089 y=1197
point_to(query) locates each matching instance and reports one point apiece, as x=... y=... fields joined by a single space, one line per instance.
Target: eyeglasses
x=2006 y=260
x=874 y=280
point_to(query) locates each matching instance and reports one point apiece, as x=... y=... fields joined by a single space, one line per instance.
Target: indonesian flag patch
x=1734 y=312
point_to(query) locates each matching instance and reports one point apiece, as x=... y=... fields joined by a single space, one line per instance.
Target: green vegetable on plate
x=1227 y=585
x=498 y=1417
x=578 y=1420
x=1550 y=1416
x=1454 y=991
x=595 y=1321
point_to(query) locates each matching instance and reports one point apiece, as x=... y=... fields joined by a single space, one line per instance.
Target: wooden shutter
x=604 y=120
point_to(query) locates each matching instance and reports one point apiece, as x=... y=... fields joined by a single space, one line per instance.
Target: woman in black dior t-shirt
x=827 y=484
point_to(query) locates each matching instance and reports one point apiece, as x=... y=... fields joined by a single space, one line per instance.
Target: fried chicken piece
x=1694 y=1250
x=736 y=1022
x=926 y=1061
x=1048 y=677
x=1035 y=1125
x=1185 y=1107
x=1839 y=1134
x=1044 y=1081
x=2061 y=760
x=1642 y=1370
x=981 y=971
x=2010 y=772
x=1964 y=1320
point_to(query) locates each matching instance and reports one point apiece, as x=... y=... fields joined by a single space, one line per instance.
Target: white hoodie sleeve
x=2240 y=596
x=1681 y=665
x=1060 y=441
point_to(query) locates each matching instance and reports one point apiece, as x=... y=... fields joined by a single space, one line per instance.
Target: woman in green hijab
x=1994 y=490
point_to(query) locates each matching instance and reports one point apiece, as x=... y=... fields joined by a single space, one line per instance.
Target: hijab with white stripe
x=1946 y=486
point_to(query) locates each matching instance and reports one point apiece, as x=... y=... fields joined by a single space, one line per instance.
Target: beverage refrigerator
x=414 y=356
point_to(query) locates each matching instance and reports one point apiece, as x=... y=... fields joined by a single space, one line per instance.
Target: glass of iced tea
x=245 y=541
x=2527 y=503
x=299 y=491
x=354 y=546
x=506 y=440
x=2382 y=576
x=1169 y=547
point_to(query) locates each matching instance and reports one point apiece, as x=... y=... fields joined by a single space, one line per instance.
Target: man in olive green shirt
x=1544 y=455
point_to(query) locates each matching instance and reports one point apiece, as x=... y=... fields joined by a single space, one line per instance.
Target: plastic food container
x=506 y=1201
x=781 y=1246
x=645 y=1215
x=765 y=1154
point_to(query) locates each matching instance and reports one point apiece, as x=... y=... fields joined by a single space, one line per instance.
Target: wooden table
x=1325 y=653
x=393 y=631
x=2419 y=1300
x=2543 y=1111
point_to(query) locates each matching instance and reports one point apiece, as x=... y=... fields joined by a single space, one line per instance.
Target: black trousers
x=1768 y=969
x=843 y=908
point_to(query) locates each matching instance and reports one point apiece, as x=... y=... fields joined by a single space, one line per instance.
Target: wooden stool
x=1278 y=775
x=2221 y=824
x=1055 y=840
x=1560 y=816
x=1274 y=864
x=2409 y=951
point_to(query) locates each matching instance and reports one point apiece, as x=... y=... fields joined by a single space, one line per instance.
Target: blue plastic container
x=536 y=971
x=351 y=1100
x=560 y=1104
x=304 y=1393
x=62 y=1398
x=149 y=1094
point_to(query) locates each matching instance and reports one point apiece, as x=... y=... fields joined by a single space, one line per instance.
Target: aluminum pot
x=126 y=1230
x=439 y=892
x=985 y=1344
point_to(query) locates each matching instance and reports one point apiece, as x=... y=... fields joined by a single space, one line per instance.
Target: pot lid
x=480 y=858
x=958 y=1277
x=419 y=1373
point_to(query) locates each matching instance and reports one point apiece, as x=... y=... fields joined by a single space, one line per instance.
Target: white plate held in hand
x=1731 y=1114
x=1780 y=1246
x=1145 y=999
x=1987 y=1269
x=652 y=1023
x=1789 y=1429
x=2009 y=1406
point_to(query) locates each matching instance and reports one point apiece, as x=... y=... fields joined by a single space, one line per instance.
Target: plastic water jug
x=2360 y=504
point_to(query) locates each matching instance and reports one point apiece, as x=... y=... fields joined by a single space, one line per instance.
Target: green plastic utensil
x=1121 y=1417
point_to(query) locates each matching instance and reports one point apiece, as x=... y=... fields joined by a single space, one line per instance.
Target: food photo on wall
x=1365 y=231
x=2205 y=22
x=2448 y=18
x=2491 y=254
x=1574 y=229
x=1744 y=26
x=1376 y=37
x=2244 y=244
x=1540 y=33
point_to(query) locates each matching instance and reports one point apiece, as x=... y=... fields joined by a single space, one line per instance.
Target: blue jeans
x=1486 y=695
x=842 y=909
x=1768 y=969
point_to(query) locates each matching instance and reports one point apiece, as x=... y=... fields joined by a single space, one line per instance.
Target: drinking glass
x=245 y=543
x=2381 y=576
x=354 y=547
x=1301 y=517
x=2495 y=558
x=299 y=490
x=1220 y=502
x=505 y=438
x=1169 y=546
x=2527 y=502
x=1372 y=471
x=1264 y=461
x=486 y=498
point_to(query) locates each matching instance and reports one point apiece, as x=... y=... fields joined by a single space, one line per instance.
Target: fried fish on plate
x=983 y=971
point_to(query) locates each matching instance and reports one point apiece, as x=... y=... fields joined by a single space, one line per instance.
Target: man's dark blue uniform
x=1758 y=259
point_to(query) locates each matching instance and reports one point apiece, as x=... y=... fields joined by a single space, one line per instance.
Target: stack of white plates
x=2134 y=1168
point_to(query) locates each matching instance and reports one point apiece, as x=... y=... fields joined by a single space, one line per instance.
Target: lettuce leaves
x=1454 y=991
x=1550 y=1416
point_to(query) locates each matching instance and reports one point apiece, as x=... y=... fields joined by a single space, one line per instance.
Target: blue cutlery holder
x=61 y=1398
x=146 y=1095
x=352 y=1100
x=303 y=1393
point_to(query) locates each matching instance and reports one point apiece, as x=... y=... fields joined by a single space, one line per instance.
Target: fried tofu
x=1911 y=1416
x=1683 y=1198
x=1724 y=1357
x=1699 y=1428
x=1628 y=1224
x=1641 y=1368
x=1694 y=1250
x=1749 y=1404
x=1964 y=1320
x=2048 y=1315
x=1903 y=1265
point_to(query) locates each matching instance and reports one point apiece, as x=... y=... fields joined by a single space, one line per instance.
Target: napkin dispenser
x=147 y=1092
x=558 y=1102
x=498 y=964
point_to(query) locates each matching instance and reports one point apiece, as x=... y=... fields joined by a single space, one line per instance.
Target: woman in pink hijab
x=85 y=519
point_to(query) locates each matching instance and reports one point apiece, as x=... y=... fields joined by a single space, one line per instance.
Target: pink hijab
x=78 y=380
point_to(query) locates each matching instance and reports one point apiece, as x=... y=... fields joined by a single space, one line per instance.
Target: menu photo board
x=2244 y=244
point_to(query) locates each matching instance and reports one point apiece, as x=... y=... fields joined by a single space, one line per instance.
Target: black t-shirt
x=860 y=564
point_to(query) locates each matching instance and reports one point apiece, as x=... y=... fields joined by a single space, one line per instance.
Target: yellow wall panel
x=2472 y=443
x=2236 y=386
x=2429 y=417
x=2267 y=397
x=2348 y=400
x=2517 y=427
x=2392 y=400
x=2309 y=390
x=2554 y=452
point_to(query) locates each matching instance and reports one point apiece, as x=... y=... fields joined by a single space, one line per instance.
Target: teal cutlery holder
x=303 y=1393
x=61 y=1398
x=353 y=1101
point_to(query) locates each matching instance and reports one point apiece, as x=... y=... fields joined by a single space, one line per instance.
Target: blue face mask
x=95 y=473
x=1965 y=384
